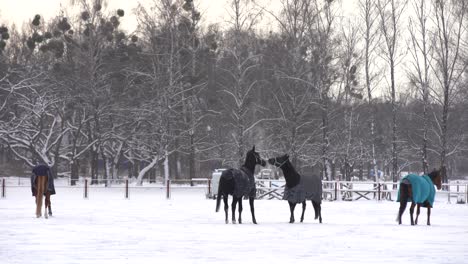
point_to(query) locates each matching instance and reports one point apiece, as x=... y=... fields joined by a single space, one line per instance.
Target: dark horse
x=42 y=183
x=299 y=189
x=239 y=183
x=420 y=191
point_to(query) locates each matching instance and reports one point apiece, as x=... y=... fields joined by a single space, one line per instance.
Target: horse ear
x=253 y=149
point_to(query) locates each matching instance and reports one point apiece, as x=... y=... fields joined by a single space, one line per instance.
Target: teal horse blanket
x=423 y=189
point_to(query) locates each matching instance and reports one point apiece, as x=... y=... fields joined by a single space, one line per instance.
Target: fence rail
x=266 y=189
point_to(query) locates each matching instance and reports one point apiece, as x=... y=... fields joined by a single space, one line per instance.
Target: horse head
x=253 y=157
x=436 y=177
x=279 y=161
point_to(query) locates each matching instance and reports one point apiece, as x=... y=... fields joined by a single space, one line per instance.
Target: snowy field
x=147 y=228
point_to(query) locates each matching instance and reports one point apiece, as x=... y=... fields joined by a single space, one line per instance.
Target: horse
x=420 y=191
x=42 y=184
x=239 y=183
x=298 y=189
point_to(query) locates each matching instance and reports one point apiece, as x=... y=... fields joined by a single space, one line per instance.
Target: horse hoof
x=233 y=222
x=255 y=222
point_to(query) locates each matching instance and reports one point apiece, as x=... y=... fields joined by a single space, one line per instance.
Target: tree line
x=384 y=90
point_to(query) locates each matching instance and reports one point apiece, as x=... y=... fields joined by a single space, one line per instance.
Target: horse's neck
x=290 y=174
x=249 y=167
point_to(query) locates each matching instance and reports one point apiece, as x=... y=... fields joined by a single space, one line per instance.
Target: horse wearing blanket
x=299 y=188
x=420 y=191
x=239 y=183
x=42 y=183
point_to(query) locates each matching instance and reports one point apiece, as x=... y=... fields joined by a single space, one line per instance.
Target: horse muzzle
x=273 y=162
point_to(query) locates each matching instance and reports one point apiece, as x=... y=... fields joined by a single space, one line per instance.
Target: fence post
x=85 y=194
x=168 y=189
x=209 y=188
x=3 y=188
x=466 y=194
x=448 y=198
x=126 y=188
x=378 y=191
x=336 y=190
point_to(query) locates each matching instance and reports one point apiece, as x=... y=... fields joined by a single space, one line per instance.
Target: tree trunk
x=192 y=158
x=74 y=171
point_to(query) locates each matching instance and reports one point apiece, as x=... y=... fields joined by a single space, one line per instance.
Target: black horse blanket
x=309 y=188
x=42 y=170
x=244 y=182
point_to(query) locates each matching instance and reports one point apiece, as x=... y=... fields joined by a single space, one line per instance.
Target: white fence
x=456 y=191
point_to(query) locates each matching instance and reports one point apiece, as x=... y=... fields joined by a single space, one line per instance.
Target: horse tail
x=41 y=182
x=218 y=200
x=220 y=191
x=403 y=195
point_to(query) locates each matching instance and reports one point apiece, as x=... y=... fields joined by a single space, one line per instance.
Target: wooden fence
x=456 y=191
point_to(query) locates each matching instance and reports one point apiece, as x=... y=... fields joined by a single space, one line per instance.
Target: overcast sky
x=213 y=11
x=18 y=11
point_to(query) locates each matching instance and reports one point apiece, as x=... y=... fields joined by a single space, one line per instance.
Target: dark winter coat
x=244 y=182
x=309 y=188
x=42 y=170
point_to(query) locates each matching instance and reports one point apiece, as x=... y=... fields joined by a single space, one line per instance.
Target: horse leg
x=46 y=185
x=291 y=208
x=252 y=209
x=428 y=215
x=418 y=210
x=40 y=192
x=318 y=211
x=319 y=207
x=403 y=201
x=412 y=211
x=303 y=210
x=48 y=203
x=314 y=204
x=233 y=207
x=240 y=210
x=226 y=207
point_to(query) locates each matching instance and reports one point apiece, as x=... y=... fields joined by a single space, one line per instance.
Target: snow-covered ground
x=147 y=228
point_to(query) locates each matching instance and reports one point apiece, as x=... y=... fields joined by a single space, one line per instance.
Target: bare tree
x=390 y=12
x=349 y=97
x=238 y=65
x=322 y=59
x=369 y=15
x=421 y=49
x=449 y=66
x=34 y=132
x=292 y=89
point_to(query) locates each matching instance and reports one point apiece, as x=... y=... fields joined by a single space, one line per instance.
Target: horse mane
x=249 y=161
x=290 y=174
x=433 y=174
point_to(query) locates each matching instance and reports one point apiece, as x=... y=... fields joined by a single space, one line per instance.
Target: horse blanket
x=423 y=189
x=309 y=188
x=42 y=170
x=244 y=182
